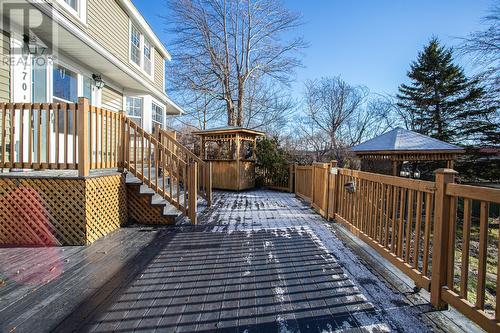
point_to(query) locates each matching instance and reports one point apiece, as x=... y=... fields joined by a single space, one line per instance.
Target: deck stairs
x=166 y=182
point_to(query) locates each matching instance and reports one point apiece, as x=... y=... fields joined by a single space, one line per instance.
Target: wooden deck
x=259 y=261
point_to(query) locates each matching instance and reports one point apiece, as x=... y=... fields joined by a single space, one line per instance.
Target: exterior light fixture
x=416 y=174
x=98 y=82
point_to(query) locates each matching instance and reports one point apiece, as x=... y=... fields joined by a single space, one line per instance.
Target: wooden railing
x=438 y=233
x=277 y=178
x=467 y=266
x=46 y=136
x=204 y=168
x=173 y=178
x=84 y=137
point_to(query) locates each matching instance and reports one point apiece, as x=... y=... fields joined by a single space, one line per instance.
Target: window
x=65 y=85
x=134 y=109
x=135 y=46
x=157 y=115
x=87 y=89
x=76 y=7
x=39 y=82
x=73 y=4
x=141 y=51
x=147 y=56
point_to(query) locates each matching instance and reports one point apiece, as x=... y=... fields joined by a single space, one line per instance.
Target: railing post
x=441 y=240
x=332 y=191
x=193 y=192
x=122 y=152
x=208 y=182
x=83 y=137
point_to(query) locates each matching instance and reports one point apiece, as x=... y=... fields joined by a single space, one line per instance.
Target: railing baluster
x=464 y=275
x=12 y=135
x=418 y=227
x=4 y=134
x=427 y=233
x=65 y=129
x=482 y=254
x=31 y=127
x=409 y=223
x=451 y=243
x=21 y=135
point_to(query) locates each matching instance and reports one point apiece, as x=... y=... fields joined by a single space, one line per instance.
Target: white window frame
x=141 y=117
x=142 y=39
x=153 y=113
x=80 y=12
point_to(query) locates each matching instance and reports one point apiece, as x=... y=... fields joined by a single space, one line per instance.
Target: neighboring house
x=57 y=51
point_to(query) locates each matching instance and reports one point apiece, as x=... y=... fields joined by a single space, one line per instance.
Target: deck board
x=259 y=261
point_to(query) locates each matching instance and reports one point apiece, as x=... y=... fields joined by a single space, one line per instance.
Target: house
x=82 y=85
x=104 y=50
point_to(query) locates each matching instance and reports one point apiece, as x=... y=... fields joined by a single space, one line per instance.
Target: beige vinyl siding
x=4 y=67
x=159 y=73
x=111 y=99
x=108 y=25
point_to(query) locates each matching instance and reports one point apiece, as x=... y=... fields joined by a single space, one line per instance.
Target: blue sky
x=367 y=42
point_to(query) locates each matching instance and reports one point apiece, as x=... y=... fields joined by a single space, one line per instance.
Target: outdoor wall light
x=416 y=174
x=350 y=187
x=98 y=82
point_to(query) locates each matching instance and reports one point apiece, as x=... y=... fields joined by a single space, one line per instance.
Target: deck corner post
x=83 y=137
x=440 y=253
x=332 y=191
x=193 y=192
x=122 y=152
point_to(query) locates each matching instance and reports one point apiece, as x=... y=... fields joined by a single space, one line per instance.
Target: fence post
x=193 y=192
x=208 y=182
x=332 y=191
x=291 y=177
x=83 y=137
x=440 y=253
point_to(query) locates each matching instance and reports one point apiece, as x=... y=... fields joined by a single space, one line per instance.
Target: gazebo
x=386 y=153
x=231 y=151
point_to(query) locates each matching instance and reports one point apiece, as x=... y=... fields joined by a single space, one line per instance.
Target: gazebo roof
x=229 y=130
x=401 y=140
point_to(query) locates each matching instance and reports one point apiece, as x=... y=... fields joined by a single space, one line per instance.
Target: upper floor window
x=157 y=115
x=76 y=7
x=141 y=50
x=73 y=4
x=135 y=46
x=148 y=54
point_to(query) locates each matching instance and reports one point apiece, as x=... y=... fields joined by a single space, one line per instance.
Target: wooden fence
x=431 y=231
x=277 y=178
x=304 y=182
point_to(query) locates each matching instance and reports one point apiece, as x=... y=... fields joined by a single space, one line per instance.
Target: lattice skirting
x=57 y=211
x=141 y=211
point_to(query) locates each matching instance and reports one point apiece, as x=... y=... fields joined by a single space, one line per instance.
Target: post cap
x=446 y=171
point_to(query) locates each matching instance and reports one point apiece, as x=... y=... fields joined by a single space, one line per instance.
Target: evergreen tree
x=442 y=102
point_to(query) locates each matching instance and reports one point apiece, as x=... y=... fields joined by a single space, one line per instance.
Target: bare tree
x=484 y=48
x=338 y=116
x=222 y=45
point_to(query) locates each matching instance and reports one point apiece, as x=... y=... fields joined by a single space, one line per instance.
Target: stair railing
x=204 y=179
x=162 y=170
